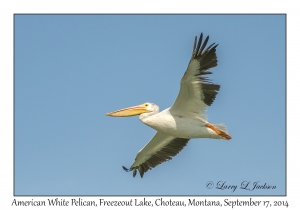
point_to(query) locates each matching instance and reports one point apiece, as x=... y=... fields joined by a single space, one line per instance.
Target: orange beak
x=130 y=111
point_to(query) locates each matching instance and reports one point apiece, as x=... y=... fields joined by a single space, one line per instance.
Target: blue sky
x=70 y=70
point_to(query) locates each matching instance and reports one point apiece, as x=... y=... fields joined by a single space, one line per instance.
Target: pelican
x=185 y=119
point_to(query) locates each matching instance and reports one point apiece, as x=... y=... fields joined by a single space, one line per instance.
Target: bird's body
x=185 y=119
x=179 y=125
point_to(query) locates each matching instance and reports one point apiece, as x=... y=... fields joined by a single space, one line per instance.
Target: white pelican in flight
x=185 y=119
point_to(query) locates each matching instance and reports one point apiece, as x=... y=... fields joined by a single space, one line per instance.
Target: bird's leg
x=219 y=132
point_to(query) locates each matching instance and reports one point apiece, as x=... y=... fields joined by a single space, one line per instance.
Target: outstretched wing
x=161 y=148
x=196 y=92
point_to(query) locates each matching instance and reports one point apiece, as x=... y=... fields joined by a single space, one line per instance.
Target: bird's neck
x=146 y=115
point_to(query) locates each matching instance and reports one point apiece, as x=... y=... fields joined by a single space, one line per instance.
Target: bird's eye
x=146 y=104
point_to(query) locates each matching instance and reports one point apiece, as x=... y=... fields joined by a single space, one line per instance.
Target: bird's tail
x=222 y=131
x=219 y=129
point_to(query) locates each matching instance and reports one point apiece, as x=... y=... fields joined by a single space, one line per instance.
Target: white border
x=9 y=8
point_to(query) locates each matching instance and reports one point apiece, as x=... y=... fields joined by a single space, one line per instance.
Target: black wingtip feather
x=165 y=154
x=194 y=48
x=134 y=172
x=199 y=43
x=208 y=59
